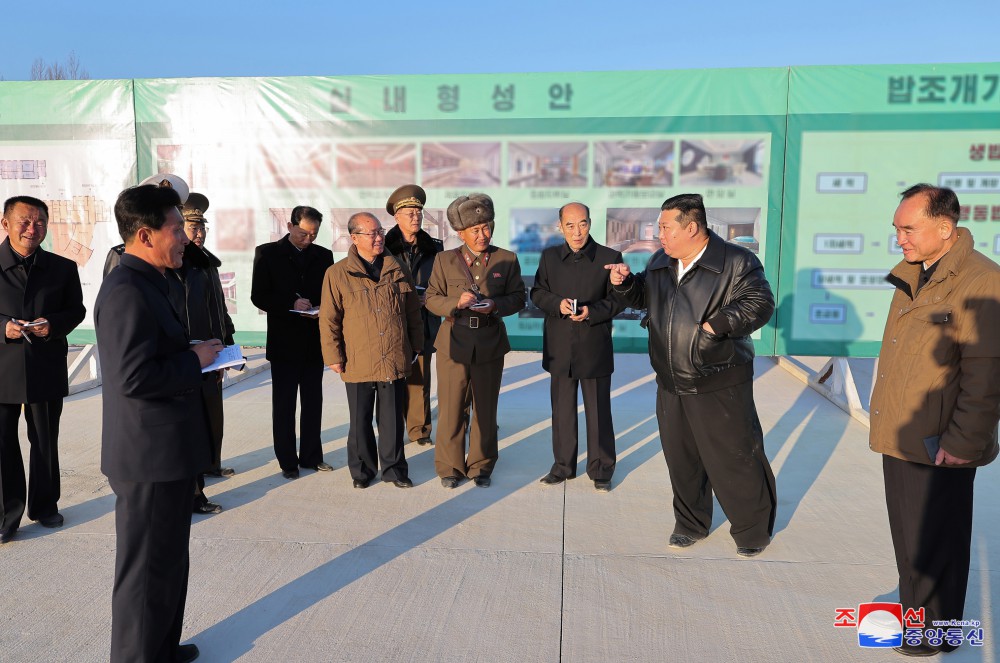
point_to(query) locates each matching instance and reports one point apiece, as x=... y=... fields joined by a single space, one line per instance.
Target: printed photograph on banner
x=233 y=229
x=633 y=230
x=634 y=163
x=464 y=165
x=296 y=166
x=532 y=230
x=541 y=165
x=718 y=162
x=228 y=280
x=739 y=225
x=210 y=166
x=384 y=165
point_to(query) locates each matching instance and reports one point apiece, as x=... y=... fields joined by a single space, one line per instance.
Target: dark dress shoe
x=186 y=653
x=402 y=483
x=207 y=507
x=424 y=441
x=681 y=541
x=482 y=481
x=221 y=472
x=290 y=474
x=7 y=535
x=551 y=479
x=55 y=520
x=450 y=482
x=916 y=650
x=360 y=483
x=749 y=552
x=319 y=467
x=602 y=486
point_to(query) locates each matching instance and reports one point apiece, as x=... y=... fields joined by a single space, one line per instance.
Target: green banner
x=619 y=142
x=857 y=137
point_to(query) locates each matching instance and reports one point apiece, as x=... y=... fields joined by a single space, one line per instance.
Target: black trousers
x=153 y=525
x=211 y=391
x=362 y=458
x=289 y=380
x=41 y=492
x=565 y=426
x=714 y=442
x=930 y=518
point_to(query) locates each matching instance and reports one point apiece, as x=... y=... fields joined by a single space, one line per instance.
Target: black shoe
x=749 y=552
x=55 y=520
x=551 y=479
x=602 y=486
x=482 y=481
x=402 y=483
x=207 y=507
x=425 y=441
x=450 y=482
x=221 y=472
x=681 y=541
x=7 y=535
x=319 y=467
x=916 y=650
x=360 y=483
x=290 y=474
x=186 y=653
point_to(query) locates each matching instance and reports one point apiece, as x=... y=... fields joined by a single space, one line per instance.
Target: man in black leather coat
x=704 y=297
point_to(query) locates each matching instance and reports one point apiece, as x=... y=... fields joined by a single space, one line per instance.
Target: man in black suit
x=571 y=287
x=155 y=437
x=288 y=275
x=41 y=302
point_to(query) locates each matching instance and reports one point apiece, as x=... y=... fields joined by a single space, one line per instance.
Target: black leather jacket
x=725 y=288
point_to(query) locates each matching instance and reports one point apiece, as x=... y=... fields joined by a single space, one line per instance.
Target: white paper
x=231 y=355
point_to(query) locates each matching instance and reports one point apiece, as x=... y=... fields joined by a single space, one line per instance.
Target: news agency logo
x=879 y=625
x=882 y=625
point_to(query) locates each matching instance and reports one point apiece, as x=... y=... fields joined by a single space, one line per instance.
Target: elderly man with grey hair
x=473 y=287
x=371 y=331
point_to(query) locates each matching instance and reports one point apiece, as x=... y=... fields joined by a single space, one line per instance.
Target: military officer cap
x=195 y=207
x=467 y=211
x=408 y=195
x=170 y=181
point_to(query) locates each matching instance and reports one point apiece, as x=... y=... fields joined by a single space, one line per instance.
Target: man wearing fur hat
x=412 y=246
x=207 y=317
x=473 y=287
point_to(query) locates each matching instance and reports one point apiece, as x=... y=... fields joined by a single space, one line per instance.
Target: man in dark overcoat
x=411 y=245
x=572 y=288
x=155 y=437
x=41 y=302
x=287 y=282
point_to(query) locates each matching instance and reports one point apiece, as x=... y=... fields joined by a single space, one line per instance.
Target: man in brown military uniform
x=472 y=287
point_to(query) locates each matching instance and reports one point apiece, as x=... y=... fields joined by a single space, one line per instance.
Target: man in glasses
x=371 y=333
x=207 y=317
x=41 y=303
x=287 y=278
x=473 y=287
x=410 y=244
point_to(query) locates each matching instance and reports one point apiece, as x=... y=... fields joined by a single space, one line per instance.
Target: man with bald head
x=371 y=333
x=573 y=289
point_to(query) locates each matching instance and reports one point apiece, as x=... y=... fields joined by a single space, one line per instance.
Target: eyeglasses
x=378 y=233
x=409 y=214
x=198 y=230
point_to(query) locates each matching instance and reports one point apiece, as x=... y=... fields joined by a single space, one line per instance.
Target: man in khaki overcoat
x=935 y=406
x=370 y=332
